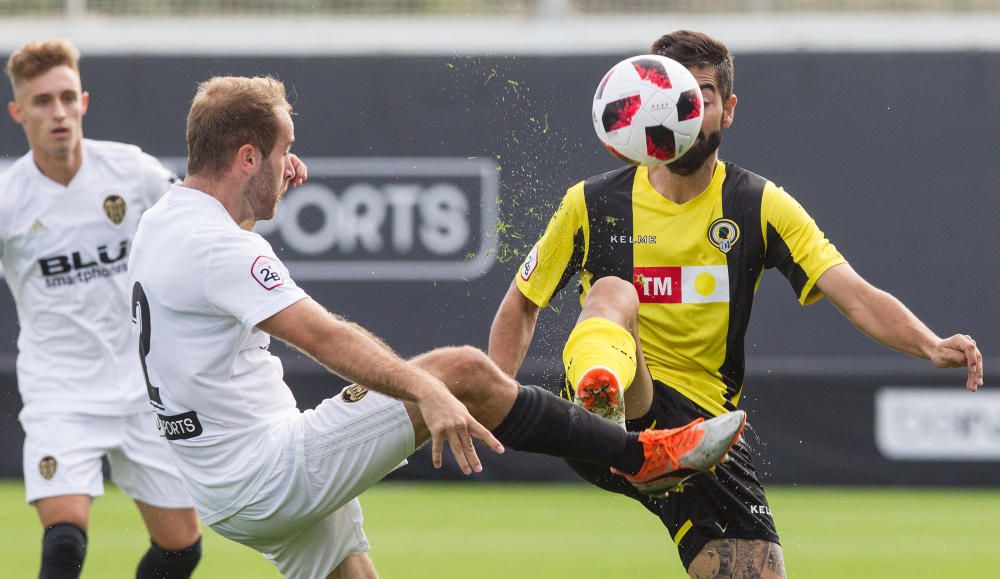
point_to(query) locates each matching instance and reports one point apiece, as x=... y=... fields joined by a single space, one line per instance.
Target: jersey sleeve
x=795 y=244
x=245 y=280
x=5 y=211
x=156 y=178
x=559 y=253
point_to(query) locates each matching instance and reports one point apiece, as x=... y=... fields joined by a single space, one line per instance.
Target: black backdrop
x=893 y=154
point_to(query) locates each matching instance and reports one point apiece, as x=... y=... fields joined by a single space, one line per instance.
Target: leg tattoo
x=738 y=559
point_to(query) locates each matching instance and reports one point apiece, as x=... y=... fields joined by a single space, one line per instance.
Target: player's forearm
x=511 y=333
x=348 y=350
x=886 y=320
x=508 y=345
x=352 y=352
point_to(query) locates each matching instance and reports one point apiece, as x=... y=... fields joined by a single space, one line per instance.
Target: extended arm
x=350 y=351
x=886 y=320
x=512 y=330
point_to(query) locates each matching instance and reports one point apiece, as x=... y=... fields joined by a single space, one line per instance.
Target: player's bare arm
x=355 y=354
x=512 y=330
x=347 y=350
x=886 y=320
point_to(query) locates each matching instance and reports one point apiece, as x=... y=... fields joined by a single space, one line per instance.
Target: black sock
x=64 y=546
x=542 y=422
x=159 y=563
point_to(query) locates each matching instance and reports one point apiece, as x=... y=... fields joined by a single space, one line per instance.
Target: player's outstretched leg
x=600 y=354
x=674 y=455
x=531 y=419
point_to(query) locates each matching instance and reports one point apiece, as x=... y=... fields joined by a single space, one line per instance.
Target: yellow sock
x=599 y=342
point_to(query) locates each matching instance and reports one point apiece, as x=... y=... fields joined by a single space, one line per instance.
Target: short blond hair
x=36 y=58
x=229 y=112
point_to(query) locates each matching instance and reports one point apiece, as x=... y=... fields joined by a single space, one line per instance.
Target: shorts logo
x=265 y=271
x=353 y=393
x=114 y=208
x=47 y=467
x=723 y=234
x=530 y=263
x=179 y=426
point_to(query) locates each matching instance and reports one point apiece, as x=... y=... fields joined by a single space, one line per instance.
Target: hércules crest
x=353 y=393
x=723 y=234
x=114 y=208
x=47 y=467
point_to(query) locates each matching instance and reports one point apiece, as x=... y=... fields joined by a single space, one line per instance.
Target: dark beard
x=695 y=157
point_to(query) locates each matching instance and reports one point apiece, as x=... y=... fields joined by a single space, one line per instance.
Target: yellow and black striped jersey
x=695 y=266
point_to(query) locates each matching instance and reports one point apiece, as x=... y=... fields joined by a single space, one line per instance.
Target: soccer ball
x=648 y=110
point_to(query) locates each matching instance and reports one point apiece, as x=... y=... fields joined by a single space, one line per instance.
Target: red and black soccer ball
x=648 y=110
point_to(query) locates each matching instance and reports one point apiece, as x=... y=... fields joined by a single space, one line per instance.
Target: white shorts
x=306 y=518
x=62 y=456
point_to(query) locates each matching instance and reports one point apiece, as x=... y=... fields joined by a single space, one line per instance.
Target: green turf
x=507 y=530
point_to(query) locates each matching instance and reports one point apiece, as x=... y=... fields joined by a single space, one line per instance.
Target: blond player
x=68 y=213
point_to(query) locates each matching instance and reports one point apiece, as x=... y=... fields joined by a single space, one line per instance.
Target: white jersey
x=200 y=286
x=64 y=252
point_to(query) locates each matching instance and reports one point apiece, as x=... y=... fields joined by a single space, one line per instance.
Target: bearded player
x=651 y=358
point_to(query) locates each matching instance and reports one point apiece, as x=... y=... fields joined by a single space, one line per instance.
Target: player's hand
x=301 y=171
x=448 y=420
x=957 y=351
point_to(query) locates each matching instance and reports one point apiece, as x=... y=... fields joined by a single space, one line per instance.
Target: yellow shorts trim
x=682 y=531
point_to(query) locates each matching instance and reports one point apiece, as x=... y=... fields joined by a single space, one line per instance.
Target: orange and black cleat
x=599 y=391
x=674 y=455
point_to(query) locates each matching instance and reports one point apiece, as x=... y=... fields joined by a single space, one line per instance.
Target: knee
x=468 y=367
x=64 y=547
x=615 y=294
x=159 y=562
x=466 y=371
x=356 y=566
x=174 y=529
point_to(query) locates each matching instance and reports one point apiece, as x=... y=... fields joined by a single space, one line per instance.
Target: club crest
x=353 y=393
x=47 y=467
x=723 y=234
x=114 y=208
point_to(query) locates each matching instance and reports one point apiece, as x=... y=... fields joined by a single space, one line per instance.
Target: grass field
x=511 y=531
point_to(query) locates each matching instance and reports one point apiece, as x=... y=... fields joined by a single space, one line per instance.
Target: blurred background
x=442 y=133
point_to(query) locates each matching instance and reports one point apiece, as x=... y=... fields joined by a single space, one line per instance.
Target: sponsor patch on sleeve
x=530 y=263
x=267 y=272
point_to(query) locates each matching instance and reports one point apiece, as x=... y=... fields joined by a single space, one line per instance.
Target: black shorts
x=729 y=503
